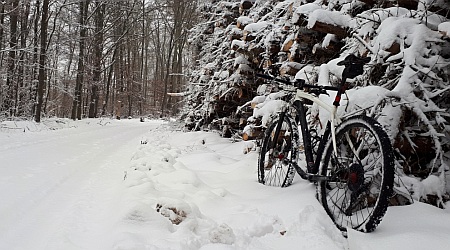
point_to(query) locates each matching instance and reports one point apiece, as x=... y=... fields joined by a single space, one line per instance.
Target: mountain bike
x=351 y=162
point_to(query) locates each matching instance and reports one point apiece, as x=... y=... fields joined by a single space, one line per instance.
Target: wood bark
x=97 y=60
x=24 y=30
x=77 y=100
x=10 y=77
x=340 y=32
x=42 y=60
x=2 y=23
x=34 y=87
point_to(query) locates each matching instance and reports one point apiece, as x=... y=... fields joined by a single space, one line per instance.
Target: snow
x=236 y=31
x=294 y=65
x=240 y=60
x=239 y=43
x=307 y=73
x=369 y=19
x=405 y=32
x=265 y=109
x=444 y=28
x=433 y=185
x=244 y=20
x=329 y=17
x=307 y=8
x=221 y=75
x=124 y=184
x=255 y=27
x=328 y=39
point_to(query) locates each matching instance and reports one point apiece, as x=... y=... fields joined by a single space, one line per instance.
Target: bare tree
x=42 y=59
x=97 y=60
x=77 y=100
x=126 y=56
x=169 y=35
x=10 y=81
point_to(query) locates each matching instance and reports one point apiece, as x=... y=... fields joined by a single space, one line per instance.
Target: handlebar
x=298 y=83
x=353 y=67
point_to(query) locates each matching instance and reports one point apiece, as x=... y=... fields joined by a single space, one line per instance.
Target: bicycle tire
x=360 y=182
x=276 y=156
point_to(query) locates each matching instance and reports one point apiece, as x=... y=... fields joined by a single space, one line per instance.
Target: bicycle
x=352 y=162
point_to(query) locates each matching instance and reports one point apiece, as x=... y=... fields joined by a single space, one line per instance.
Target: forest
x=196 y=60
x=92 y=58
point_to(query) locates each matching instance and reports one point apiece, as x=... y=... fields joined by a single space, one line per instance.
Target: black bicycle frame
x=311 y=163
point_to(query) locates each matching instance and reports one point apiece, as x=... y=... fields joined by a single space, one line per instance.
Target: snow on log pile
x=408 y=42
x=444 y=28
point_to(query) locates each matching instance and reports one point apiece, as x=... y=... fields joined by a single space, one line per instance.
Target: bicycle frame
x=354 y=172
x=334 y=121
x=297 y=103
x=332 y=110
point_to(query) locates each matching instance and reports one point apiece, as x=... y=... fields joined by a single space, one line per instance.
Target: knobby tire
x=359 y=182
x=276 y=155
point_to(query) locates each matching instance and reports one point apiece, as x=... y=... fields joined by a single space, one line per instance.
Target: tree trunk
x=77 y=101
x=108 y=84
x=33 y=87
x=2 y=23
x=20 y=93
x=98 y=48
x=42 y=59
x=10 y=78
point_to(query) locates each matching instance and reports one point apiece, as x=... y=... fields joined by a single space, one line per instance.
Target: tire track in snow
x=57 y=183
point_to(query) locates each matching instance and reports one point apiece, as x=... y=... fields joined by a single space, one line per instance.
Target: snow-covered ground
x=108 y=184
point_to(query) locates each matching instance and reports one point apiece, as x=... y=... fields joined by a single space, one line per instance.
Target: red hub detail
x=281 y=156
x=353 y=178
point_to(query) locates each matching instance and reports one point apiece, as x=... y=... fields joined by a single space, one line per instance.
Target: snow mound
x=157 y=187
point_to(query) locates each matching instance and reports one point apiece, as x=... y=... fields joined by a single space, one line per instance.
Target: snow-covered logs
x=246 y=4
x=407 y=41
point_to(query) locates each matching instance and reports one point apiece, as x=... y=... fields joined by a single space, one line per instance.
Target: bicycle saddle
x=353 y=66
x=352 y=59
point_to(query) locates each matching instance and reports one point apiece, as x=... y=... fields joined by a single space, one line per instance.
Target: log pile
x=294 y=39
x=277 y=36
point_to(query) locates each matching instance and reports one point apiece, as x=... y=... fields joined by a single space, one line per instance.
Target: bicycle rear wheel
x=277 y=154
x=360 y=177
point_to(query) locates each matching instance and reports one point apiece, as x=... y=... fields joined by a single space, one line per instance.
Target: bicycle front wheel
x=359 y=177
x=278 y=152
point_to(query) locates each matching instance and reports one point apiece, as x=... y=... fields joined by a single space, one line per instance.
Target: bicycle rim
x=360 y=180
x=276 y=155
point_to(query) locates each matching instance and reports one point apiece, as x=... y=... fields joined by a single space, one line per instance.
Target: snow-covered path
x=52 y=182
x=96 y=187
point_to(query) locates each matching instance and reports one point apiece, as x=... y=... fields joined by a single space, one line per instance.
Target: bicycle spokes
x=277 y=153
x=356 y=177
x=277 y=162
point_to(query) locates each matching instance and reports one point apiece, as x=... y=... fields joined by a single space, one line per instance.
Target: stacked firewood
x=276 y=36
x=298 y=38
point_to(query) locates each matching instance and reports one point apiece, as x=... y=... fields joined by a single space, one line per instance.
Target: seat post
x=342 y=88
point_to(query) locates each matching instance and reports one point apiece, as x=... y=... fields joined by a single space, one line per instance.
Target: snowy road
x=92 y=185
x=50 y=177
